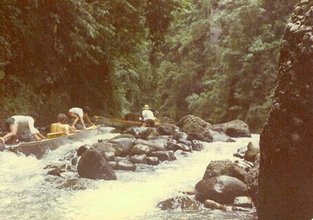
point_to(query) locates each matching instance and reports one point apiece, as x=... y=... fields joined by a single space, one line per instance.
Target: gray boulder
x=155 y=145
x=125 y=165
x=196 y=128
x=167 y=129
x=164 y=155
x=235 y=128
x=124 y=144
x=93 y=165
x=138 y=149
x=153 y=161
x=222 y=189
x=225 y=167
x=251 y=152
x=142 y=159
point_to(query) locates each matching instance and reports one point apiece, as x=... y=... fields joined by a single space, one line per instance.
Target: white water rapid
x=27 y=192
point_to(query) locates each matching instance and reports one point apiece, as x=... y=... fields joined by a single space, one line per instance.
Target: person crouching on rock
x=148 y=116
x=79 y=115
x=21 y=127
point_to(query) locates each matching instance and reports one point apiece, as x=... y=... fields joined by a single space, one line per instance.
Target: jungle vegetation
x=213 y=58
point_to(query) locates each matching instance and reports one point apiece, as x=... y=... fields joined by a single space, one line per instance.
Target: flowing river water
x=27 y=192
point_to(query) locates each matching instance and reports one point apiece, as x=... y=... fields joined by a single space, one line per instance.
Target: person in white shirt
x=18 y=124
x=148 y=116
x=79 y=115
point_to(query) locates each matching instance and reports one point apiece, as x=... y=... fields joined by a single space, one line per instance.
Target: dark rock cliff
x=286 y=166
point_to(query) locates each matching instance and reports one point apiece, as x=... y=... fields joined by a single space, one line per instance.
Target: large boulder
x=138 y=149
x=93 y=165
x=149 y=133
x=196 y=128
x=225 y=167
x=105 y=147
x=155 y=145
x=163 y=155
x=201 y=136
x=167 y=129
x=125 y=165
x=153 y=161
x=235 y=128
x=174 y=146
x=142 y=159
x=222 y=189
x=124 y=144
x=251 y=152
x=142 y=132
x=286 y=142
x=220 y=136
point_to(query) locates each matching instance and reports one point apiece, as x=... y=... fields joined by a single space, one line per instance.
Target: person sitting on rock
x=79 y=115
x=147 y=116
x=61 y=126
x=21 y=127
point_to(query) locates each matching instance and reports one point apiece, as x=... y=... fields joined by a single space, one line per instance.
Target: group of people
x=21 y=125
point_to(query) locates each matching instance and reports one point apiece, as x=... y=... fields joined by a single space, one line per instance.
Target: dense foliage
x=212 y=58
x=57 y=54
x=221 y=60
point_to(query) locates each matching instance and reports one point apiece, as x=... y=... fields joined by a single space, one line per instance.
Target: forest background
x=216 y=59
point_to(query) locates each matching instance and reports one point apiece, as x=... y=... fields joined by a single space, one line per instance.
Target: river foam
x=25 y=192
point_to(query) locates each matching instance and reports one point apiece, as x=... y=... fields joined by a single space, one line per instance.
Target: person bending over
x=79 y=115
x=21 y=127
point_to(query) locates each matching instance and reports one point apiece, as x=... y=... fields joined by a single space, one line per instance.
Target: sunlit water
x=27 y=192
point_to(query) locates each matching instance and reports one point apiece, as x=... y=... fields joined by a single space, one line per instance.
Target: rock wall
x=286 y=166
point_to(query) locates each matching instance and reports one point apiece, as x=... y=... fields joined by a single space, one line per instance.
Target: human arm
x=73 y=130
x=41 y=136
x=13 y=132
x=88 y=120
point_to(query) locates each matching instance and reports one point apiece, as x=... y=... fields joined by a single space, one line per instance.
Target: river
x=27 y=192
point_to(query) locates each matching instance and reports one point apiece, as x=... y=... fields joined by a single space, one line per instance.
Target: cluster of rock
x=153 y=145
x=150 y=146
x=225 y=185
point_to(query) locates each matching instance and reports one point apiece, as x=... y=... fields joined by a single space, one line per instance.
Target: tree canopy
x=215 y=59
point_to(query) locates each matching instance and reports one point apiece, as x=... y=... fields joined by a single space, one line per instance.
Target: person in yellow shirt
x=61 y=126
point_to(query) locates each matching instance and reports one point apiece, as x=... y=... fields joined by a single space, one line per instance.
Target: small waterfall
x=27 y=193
